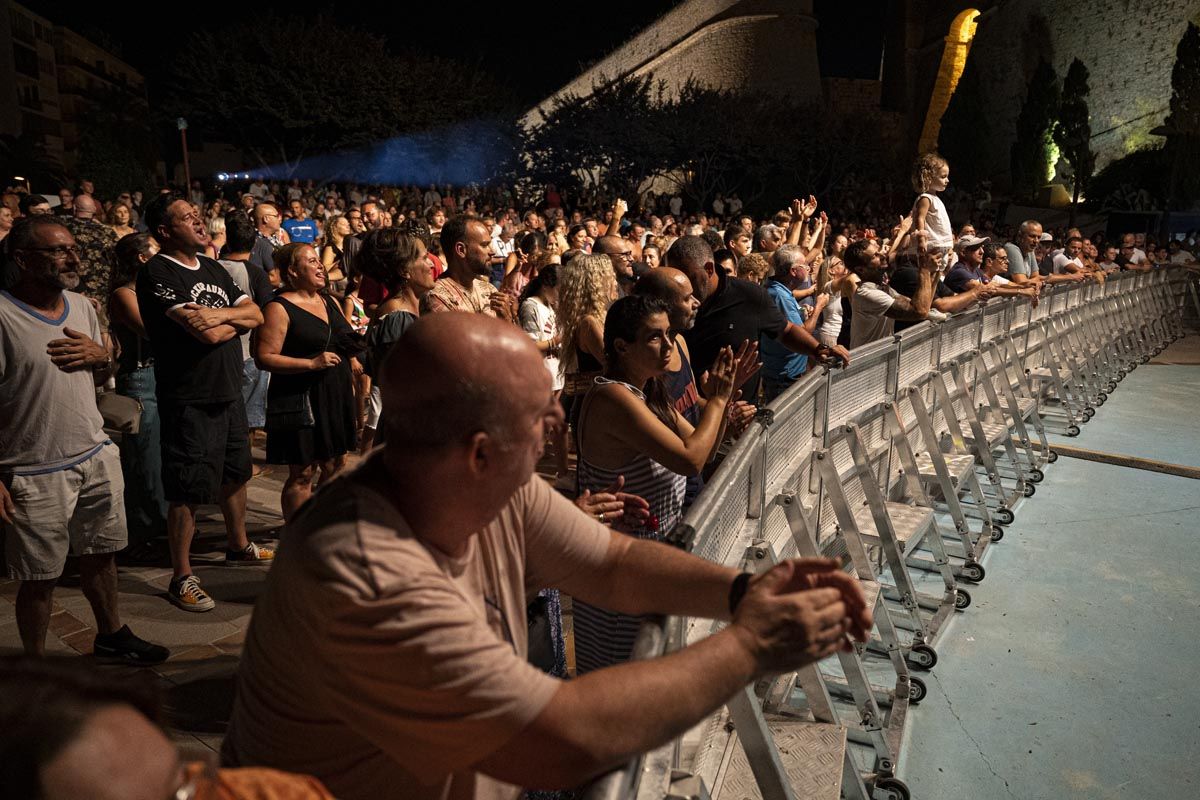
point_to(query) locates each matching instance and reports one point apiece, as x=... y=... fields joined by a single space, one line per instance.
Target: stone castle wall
x=767 y=45
x=1128 y=47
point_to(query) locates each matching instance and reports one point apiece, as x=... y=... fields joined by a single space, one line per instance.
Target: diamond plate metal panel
x=812 y=753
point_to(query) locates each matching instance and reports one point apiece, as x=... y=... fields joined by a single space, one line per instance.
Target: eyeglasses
x=57 y=253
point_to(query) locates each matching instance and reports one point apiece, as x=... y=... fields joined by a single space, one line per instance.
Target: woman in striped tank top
x=628 y=427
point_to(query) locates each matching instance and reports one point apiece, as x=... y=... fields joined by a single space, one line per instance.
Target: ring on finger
x=600 y=516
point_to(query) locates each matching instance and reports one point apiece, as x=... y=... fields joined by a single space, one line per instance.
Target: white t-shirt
x=1182 y=257
x=1061 y=261
x=259 y=190
x=831 y=317
x=540 y=322
x=502 y=249
x=999 y=280
x=1138 y=257
x=869 y=322
x=50 y=419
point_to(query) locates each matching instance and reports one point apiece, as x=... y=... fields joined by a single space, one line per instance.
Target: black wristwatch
x=738 y=590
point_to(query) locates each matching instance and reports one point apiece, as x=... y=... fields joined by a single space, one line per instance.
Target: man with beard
x=62 y=485
x=194 y=314
x=466 y=242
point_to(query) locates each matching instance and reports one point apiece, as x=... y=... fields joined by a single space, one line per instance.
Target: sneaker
x=186 y=593
x=253 y=554
x=127 y=648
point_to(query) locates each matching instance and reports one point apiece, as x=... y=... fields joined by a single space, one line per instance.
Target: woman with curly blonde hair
x=587 y=286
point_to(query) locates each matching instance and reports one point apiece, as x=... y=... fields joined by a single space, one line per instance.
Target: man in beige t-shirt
x=466 y=245
x=387 y=653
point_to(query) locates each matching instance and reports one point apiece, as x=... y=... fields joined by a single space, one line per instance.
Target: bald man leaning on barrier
x=387 y=653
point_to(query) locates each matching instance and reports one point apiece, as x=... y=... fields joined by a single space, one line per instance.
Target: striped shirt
x=603 y=638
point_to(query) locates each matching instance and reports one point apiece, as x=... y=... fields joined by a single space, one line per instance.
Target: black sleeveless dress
x=330 y=391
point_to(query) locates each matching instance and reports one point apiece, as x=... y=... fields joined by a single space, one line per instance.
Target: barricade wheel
x=1112 y=386
x=916 y=689
x=1121 y=373
x=1036 y=475
x=997 y=533
x=1073 y=430
x=1051 y=457
x=891 y=788
x=923 y=657
x=962 y=600
x=972 y=571
x=1101 y=398
x=1029 y=490
x=1004 y=516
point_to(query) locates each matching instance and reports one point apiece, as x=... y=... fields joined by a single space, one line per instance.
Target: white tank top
x=937 y=225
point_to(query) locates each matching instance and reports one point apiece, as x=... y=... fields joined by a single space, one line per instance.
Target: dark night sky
x=534 y=51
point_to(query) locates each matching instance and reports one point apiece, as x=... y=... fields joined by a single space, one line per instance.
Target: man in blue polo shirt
x=301 y=227
x=781 y=365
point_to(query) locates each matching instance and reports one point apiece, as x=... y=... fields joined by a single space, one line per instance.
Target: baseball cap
x=970 y=242
x=1046 y=237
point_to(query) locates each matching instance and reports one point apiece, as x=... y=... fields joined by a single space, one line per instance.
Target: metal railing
x=775 y=456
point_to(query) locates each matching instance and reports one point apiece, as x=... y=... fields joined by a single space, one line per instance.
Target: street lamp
x=182 y=124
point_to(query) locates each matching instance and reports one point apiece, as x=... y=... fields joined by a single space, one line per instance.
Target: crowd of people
x=440 y=339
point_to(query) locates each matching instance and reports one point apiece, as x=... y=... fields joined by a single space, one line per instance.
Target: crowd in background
x=264 y=314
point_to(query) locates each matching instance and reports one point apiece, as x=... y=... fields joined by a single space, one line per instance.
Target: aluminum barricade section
x=927 y=392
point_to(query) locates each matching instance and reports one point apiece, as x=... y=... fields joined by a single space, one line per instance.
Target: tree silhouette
x=1032 y=149
x=260 y=87
x=1183 y=123
x=1073 y=132
x=961 y=139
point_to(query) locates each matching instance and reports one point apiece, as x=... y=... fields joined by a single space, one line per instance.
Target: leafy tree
x=1073 y=132
x=612 y=138
x=1032 y=151
x=116 y=151
x=258 y=87
x=961 y=139
x=1183 y=123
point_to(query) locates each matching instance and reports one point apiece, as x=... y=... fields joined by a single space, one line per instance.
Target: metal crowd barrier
x=906 y=465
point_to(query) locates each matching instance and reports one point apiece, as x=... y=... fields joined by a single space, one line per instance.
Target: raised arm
x=631 y=422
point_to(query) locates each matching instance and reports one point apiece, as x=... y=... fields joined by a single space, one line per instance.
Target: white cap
x=970 y=242
x=1045 y=237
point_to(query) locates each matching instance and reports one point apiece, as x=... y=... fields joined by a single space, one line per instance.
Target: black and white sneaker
x=127 y=648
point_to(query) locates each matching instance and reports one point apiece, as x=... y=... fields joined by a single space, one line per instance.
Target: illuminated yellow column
x=954 y=60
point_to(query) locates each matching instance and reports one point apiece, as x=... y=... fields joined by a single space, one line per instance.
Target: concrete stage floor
x=1072 y=674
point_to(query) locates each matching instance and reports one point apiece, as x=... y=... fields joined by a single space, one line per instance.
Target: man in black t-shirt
x=194 y=313
x=733 y=311
x=903 y=279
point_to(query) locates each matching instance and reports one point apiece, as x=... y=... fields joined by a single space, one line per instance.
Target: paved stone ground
x=198 y=680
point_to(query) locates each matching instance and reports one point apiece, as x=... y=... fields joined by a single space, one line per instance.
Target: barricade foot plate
x=994 y=432
x=960 y=467
x=813 y=755
x=909 y=522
